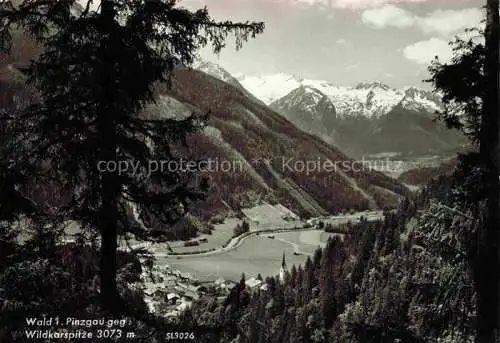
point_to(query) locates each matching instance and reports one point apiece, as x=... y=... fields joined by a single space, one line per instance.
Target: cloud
x=341 y=41
x=441 y=22
x=360 y=4
x=333 y=4
x=389 y=15
x=423 y=52
x=445 y=22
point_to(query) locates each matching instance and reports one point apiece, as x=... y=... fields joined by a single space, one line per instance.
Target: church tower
x=283 y=269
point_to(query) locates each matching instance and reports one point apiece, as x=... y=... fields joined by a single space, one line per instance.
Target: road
x=159 y=249
x=260 y=229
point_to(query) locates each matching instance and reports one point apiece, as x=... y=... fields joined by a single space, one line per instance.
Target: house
x=190 y=295
x=224 y=285
x=193 y=288
x=202 y=289
x=169 y=282
x=185 y=276
x=150 y=304
x=183 y=306
x=158 y=294
x=189 y=288
x=173 y=297
x=150 y=289
x=253 y=283
x=230 y=284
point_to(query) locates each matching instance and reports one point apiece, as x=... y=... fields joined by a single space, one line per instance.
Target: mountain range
x=366 y=119
x=367 y=99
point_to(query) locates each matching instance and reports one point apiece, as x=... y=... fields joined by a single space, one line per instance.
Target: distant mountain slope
x=422 y=176
x=310 y=110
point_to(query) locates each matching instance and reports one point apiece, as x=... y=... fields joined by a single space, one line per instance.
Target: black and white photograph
x=249 y=171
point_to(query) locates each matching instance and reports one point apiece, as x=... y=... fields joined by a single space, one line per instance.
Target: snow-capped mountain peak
x=367 y=99
x=222 y=74
x=269 y=88
x=372 y=85
x=308 y=99
x=416 y=99
x=371 y=99
x=213 y=69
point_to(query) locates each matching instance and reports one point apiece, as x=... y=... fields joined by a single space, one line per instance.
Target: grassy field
x=308 y=241
x=257 y=254
x=220 y=236
x=295 y=238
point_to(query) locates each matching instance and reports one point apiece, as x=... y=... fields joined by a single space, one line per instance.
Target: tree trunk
x=108 y=216
x=108 y=223
x=108 y=219
x=487 y=283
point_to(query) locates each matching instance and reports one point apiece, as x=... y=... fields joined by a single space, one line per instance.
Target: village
x=170 y=292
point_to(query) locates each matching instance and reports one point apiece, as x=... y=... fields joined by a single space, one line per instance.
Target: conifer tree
x=97 y=70
x=470 y=87
x=489 y=249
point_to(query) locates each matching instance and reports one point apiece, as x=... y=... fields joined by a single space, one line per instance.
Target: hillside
x=244 y=132
x=402 y=130
x=247 y=131
x=422 y=176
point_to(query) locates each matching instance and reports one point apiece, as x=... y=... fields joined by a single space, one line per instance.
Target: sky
x=344 y=41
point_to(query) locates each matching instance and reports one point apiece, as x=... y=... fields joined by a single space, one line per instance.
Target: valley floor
x=258 y=253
